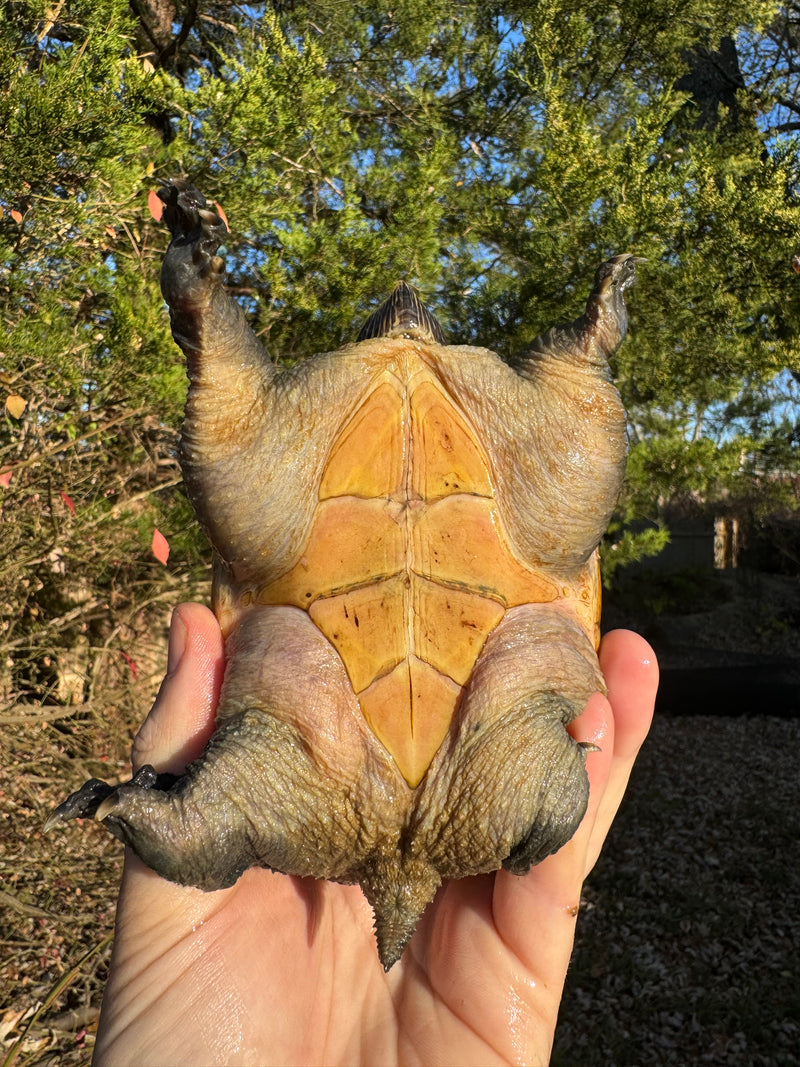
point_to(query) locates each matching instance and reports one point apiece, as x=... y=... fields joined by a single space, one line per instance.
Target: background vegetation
x=491 y=153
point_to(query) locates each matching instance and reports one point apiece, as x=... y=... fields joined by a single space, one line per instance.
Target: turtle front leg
x=226 y=431
x=599 y=331
x=207 y=323
x=566 y=441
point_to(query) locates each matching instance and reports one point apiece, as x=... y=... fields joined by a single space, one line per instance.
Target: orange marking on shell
x=367 y=459
x=407 y=568
x=351 y=622
x=410 y=711
x=451 y=626
x=459 y=542
x=447 y=460
x=353 y=542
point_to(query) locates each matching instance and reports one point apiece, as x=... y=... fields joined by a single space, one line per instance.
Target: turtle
x=406 y=574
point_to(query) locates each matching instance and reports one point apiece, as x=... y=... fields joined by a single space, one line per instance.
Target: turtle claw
x=621 y=270
x=97 y=799
x=107 y=806
x=188 y=216
x=588 y=746
x=192 y=266
x=82 y=804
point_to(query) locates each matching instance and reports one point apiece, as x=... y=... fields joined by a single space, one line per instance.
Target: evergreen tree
x=492 y=155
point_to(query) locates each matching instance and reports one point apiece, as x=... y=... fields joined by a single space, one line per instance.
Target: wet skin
x=406 y=580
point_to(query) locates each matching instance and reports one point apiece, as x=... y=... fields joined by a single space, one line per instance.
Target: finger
x=182 y=718
x=546 y=900
x=631 y=672
x=536 y=913
x=596 y=728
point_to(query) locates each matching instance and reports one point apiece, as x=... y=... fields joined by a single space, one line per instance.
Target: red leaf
x=155 y=205
x=67 y=500
x=131 y=663
x=5 y=478
x=160 y=547
x=16 y=216
x=222 y=215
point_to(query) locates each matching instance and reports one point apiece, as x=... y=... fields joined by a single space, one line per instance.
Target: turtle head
x=403 y=315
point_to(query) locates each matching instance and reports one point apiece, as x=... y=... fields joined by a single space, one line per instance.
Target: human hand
x=283 y=970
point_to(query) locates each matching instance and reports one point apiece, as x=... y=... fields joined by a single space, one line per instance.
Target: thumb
x=182 y=718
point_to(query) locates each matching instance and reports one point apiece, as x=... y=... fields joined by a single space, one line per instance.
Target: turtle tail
x=399 y=891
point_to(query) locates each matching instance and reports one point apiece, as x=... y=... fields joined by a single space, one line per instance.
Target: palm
x=284 y=970
x=302 y=983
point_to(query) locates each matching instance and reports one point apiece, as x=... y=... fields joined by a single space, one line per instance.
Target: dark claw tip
x=80 y=805
x=620 y=270
x=589 y=746
x=187 y=213
x=176 y=189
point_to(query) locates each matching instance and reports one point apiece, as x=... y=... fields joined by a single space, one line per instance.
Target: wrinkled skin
x=295 y=778
x=283 y=970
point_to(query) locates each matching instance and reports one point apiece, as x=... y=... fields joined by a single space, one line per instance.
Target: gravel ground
x=688 y=947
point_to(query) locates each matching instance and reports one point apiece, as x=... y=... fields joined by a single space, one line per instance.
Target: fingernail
x=177 y=642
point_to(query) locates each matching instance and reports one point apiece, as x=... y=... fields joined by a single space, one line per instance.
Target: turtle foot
x=189 y=217
x=80 y=805
x=96 y=799
x=192 y=266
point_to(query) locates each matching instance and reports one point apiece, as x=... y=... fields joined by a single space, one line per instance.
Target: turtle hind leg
x=150 y=814
x=560 y=813
x=85 y=802
x=509 y=785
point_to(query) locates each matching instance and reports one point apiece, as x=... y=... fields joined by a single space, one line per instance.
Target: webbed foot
x=191 y=265
x=188 y=216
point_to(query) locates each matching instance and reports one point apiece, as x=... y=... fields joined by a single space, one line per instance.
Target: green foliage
x=623 y=546
x=648 y=592
x=494 y=156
